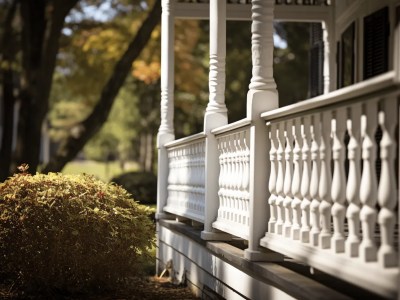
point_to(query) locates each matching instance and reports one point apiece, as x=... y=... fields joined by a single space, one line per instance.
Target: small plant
x=70 y=232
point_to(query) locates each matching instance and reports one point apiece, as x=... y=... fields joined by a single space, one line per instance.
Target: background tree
x=37 y=27
x=104 y=95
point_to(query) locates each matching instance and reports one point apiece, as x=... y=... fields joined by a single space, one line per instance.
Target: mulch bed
x=146 y=288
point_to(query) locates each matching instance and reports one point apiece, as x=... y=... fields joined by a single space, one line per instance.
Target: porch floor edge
x=290 y=276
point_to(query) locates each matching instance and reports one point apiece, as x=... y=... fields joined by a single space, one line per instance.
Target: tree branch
x=93 y=123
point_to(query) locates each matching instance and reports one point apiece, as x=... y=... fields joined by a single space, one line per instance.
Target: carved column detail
x=216 y=83
x=262 y=45
x=167 y=68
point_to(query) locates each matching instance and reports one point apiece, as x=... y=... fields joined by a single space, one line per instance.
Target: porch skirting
x=218 y=270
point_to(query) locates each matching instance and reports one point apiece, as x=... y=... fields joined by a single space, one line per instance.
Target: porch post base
x=264 y=255
x=215 y=236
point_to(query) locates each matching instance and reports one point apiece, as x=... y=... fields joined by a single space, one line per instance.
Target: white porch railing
x=234 y=178
x=322 y=188
x=186 y=177
x=330 y=207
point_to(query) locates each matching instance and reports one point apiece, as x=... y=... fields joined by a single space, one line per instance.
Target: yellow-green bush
x=70 y=232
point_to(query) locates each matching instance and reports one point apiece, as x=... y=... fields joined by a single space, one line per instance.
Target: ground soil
x=146 y=288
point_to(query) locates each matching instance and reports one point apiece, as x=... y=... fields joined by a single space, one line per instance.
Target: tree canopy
x=35 y=35
x=89 y=70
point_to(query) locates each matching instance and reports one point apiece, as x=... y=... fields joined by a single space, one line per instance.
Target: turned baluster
x=305 y=182
x=239 y=176
x=240 y=158
x=368 y=186
x=273 y=178
x=387 y=198
x=171 y=175
x=247 y=181
x=296 y=182
x=338 y=193
x=288 y=179
x=281 y=178
x=235 y=177
x=353 y=182
x=314 y=206
x=230 y=177
x=325 y=181
x=194 y=179
x=222 y=176
x=246 y=176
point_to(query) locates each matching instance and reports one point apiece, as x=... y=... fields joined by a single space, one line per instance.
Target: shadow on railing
x=186 y=177
x=234 y=179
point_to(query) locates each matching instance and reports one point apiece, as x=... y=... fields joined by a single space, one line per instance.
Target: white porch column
x=328 y=29
x=261 y=97
x=166 y=130
x=215 y=116
x=396 y=50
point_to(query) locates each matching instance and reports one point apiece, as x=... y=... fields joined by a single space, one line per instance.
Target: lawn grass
x=103 y=171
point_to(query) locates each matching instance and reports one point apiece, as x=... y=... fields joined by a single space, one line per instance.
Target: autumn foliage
x=70 y=233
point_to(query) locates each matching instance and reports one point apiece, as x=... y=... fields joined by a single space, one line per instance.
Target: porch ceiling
x=306 y=11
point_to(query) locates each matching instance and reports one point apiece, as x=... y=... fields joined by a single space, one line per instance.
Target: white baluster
x=202 y=181
x=296 y=182
x=280 y=179
x=247 y=172
x=239 y=178
x=231 y=177
x=273 y=178
x=234 y=177
x=305 y=183
x=315 y=172
x=288 y=179
x=239 y=158
x=325 y=181
x=353 y=182
x=368 y=186
x=221 y=177
x=387 y=198
x=245 y=177
x=338 y=192
x=228 y=177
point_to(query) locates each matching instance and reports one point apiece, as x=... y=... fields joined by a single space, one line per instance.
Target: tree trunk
x=8 y=51
x=81 y=133
x=42 y=22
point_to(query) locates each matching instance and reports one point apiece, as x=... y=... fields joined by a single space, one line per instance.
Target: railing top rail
x=231 y=126
x=354 y=92
x=185 y=140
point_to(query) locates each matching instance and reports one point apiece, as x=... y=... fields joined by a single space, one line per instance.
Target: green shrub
x=142 y=185
x=70 y=232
